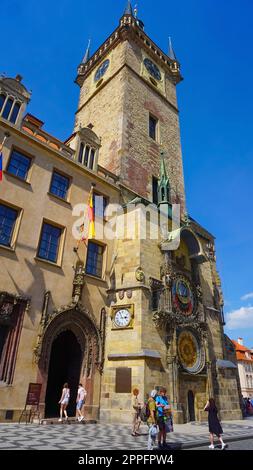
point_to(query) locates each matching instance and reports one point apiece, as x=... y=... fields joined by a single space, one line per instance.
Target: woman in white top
x=64 y=401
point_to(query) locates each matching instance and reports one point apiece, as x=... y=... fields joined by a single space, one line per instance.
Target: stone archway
x=74 y=328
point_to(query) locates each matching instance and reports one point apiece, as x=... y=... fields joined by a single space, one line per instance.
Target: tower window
x=155 y=190
x=87 y=156
x=153 y=125
x=19 y=165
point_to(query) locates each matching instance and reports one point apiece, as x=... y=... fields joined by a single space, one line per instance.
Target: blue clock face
x=152 y=69
x=101 y=70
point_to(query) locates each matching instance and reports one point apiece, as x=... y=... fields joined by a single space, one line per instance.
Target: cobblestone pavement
x=243 y=444
x=109 y=436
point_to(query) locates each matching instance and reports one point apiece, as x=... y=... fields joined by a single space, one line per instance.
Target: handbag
x=169 y=424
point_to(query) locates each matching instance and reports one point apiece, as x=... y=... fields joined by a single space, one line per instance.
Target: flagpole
x=6 y=136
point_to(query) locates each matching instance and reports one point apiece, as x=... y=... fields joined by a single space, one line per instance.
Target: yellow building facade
x=140 y=303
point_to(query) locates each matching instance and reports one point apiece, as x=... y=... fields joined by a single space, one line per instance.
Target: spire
x=163 y=183
x=128 y=9
x=171 y=53
x=87 y=53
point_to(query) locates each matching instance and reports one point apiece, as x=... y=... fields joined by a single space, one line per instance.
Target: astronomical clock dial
x=152 y=69
x=184 y=299
x=122 y=317
x=101 y=70
x=190 y=352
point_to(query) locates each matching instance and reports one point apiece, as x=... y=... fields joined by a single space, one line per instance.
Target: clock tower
x=128 y=94
x=164 y=319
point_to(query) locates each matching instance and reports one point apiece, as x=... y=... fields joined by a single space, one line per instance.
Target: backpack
x=145 y=412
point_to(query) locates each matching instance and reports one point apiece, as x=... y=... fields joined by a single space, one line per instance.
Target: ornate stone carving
x=129 y=293
x=139 y=274
x=121 y=294
x=78 y=282
x=7 y=304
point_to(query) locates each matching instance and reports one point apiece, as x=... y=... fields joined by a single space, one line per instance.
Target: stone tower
x=165 y=323
x=128 y=93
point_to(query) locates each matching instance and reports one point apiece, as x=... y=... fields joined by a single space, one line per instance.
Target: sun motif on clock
x=184 y=299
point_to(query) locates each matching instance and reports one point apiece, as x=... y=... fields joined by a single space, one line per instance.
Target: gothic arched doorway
x=64 y=366
x=191 y=409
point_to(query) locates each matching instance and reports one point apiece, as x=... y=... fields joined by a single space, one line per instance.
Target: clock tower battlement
x=128 y=93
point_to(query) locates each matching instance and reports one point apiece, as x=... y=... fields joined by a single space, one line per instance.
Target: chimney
x=240 y=341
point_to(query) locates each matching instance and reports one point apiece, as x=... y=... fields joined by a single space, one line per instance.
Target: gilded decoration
x=191 y=352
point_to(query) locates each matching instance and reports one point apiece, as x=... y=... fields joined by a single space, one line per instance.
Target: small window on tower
x=153 y=125
x=155 y=190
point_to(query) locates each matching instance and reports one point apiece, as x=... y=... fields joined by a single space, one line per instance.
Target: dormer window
x=86 y=156
x=11 y=108
x=2 y=100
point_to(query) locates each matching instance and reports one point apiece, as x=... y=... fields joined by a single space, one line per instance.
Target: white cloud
x=247 y=296
x=241 y=318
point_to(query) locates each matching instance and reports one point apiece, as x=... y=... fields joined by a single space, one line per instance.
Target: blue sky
x=213 y=41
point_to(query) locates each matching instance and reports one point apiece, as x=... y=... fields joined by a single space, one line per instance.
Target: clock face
x=101 y=70
x=191 y=352
x=152 y=69
x=122 y=318
x=183 y=298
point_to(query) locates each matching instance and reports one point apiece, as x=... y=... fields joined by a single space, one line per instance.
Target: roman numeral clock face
x=101 y=70
x=152 y=69
x=122 y=318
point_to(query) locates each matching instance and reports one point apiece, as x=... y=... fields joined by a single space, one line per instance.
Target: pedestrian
x=64 y=401
x=163 y=406
x=137 y=412
x=214 y=423
x=151 y=421
x=80 y=401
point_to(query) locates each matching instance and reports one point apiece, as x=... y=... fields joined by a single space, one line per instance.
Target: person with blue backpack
x=163 y=406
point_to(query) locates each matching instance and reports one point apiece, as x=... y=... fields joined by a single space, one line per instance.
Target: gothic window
x=59 y=185
x=153 y=126
x=11 y=319
x=87 y=156
x=8 y=218
x=155 y=299
x=19 y=165
x=50 y=242
x=155 y=189
x=94 y=262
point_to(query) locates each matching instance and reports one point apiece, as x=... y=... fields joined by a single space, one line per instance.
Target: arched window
x=15 y=112
x=2 y=100
x=7 y=108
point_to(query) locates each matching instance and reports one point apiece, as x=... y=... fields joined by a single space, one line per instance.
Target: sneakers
x=60 y=419
x=223 y=445
x=211 y=446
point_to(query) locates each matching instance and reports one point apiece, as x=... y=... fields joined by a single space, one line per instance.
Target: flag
x=87 y=228
x=1 y=166
x=91 y=217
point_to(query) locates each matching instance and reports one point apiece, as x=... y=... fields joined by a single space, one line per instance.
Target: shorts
x=161 y=423
x=65 y=401
x=79 y=404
